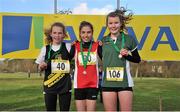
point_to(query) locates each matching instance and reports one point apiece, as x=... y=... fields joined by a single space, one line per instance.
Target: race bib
x=114 y=73
x=60 y=66
x=91 y=59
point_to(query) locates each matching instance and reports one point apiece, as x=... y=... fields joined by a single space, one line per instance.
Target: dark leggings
x=51 y=100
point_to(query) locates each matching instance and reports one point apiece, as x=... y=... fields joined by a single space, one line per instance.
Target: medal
x=84 y=57
x=116 y=47
x=84 y=72
x=120 y=56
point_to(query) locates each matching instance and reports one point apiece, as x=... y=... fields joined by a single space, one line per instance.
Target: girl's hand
x=124 y=52
x=100 y=43
x=42 y=66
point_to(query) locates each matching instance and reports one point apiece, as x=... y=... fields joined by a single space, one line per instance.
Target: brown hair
x=47 y=32
x=85 y=23
x=124 y=19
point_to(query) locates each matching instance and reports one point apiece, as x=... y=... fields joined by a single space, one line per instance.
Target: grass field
x=18 y=92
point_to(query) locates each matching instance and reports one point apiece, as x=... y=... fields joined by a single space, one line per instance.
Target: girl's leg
x=80 y=99
x=109 y=100
x=50 y=101
x=91 y=105
x=65 y=101
x=81 y=105
x=125 y=99
x=92 y=94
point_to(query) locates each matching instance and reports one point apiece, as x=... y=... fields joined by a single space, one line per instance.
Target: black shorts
x=116 y=89
x=86 y=93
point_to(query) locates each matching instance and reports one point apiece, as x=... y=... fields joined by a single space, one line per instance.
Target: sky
x=94 y=7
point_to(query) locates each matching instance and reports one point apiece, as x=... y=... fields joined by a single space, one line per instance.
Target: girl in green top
x=118 y=48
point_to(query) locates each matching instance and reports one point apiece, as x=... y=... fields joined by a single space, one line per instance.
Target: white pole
x=118 y=4
x=55 y=6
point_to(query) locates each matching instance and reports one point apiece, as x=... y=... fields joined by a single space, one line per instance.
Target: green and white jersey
x=116 y=71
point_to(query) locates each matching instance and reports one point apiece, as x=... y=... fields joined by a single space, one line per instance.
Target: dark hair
x=85 y=23
x=47 y=32
x=124 y=19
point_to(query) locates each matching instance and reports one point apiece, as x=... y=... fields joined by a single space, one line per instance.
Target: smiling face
x=114 y=25
x=86 y=33
x=57 y=35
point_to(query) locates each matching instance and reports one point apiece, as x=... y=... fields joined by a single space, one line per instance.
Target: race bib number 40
x=60 y=66
x=114 y=73
x=91 y=59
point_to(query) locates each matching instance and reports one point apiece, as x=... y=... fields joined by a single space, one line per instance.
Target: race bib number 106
x=114 y=73
x=60 y=66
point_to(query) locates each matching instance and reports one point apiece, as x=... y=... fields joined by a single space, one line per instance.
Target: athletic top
x=55 y=82
x=116 y=70
x=90 y=78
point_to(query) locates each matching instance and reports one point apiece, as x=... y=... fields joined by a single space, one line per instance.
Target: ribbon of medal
x=49 y=54
x=116 y=47
x=85 y=60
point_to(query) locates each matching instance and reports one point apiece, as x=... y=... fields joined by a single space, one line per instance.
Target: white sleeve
x=68 y=46
x=41 y=56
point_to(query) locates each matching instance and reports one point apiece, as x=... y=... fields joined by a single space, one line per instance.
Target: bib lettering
x=91 y=59
x=60 y=66
x=114 y=73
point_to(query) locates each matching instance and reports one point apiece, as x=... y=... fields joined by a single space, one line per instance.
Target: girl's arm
x=134 y=57
x=40 y=59
x=100 y=51
x=72 y=52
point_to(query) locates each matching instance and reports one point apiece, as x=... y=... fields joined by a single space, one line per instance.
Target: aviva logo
x=21 y=35
x=16 y=33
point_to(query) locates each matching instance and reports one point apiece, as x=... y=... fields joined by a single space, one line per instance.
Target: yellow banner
x=21 y=35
